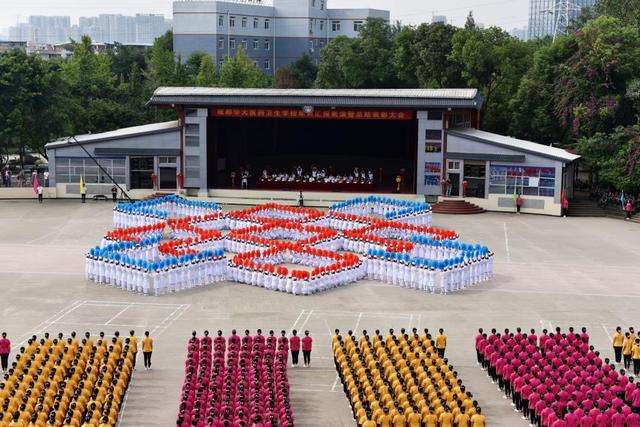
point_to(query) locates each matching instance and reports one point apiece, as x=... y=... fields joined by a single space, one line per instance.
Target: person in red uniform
x=307 y=343
x=5 y=349
x=294 y=345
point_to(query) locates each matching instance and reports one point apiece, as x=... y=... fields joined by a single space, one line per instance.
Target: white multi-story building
x=273 y=36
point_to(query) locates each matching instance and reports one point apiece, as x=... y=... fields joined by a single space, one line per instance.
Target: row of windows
x=336 y=26
x=524 y=180
x=266 y=64
x=69 y=170
x=266 y=24
x=243 y=43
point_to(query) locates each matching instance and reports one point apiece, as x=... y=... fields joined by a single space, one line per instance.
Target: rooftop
x=516 y=144
x=398 y=98
x=149 y=129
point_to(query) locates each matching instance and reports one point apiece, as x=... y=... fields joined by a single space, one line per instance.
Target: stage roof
x=376 y=98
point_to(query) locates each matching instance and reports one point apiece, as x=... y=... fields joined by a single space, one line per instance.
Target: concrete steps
x=590 y=208
x=457 y=207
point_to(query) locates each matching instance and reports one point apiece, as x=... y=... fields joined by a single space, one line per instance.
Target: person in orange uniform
x=441 y=342
x=147 y=350
x=478 y=419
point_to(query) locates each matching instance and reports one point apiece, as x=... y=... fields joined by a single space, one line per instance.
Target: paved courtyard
x=548 y=272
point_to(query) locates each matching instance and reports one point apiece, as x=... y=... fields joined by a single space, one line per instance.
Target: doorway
x=454 y=180
x=167 y=168
x=475 y=174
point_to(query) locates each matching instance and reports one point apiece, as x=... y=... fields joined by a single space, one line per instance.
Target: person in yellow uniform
x=147 y=350
x=462 y=420
x=441 y=342
x=627 y=346
x=635 y=356
x=133 y=344
x=618 y=342
x=478 y=419
x=446 y=419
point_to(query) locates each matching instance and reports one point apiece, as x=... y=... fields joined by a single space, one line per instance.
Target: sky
x=507 y=14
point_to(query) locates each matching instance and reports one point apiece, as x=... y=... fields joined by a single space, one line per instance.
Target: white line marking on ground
x=166 y=322
x=306 y=320
x=293 y=326
x=606 y=331
x=106 y=302
x=42 y=326
x=47 y=319
x=419 y=321
x=506 y=242
x=117 y=314
x=573 y=294
x=355 y=330
x=411 y=321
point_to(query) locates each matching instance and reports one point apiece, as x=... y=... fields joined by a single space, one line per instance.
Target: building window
x=232 y=43
x=256 y=44
x=357 y=25
x=192 y=135
x=232 y=21
x=335 y=26
x=310 y=26
x=311 y=46
x=267 y=64
x=321 y=4
x=221 y=62
x=244 y=22
x=313 y=3
x=528 y=181
x=434 y=134
x=267 y=24
x=267 y=44
x=321 y=44
x=256 y=22
x=244 y=45
x=191 y=167
x=434 y=115
x=220 y=43
x=69 y=170
x=453 y=165
x=166 y=160
x=321 y=25
x=191 y=112
x=140 y=170
x=220 y=21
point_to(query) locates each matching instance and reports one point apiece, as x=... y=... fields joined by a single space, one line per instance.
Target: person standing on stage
x=307 y=343
x=5 y=349
x=294 y=345
x=147 y=350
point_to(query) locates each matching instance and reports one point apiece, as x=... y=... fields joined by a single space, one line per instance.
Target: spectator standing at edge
x=39 y=191
x=133 y=343
x=114 y=193
x=83 y=190
x=307 y=343
x=294 y=345
x=5 y=349
x=46 y=178
x=565 y=206
x=618 y=342
x=441 y=342
x=147 y=349
x=519 y=203
x=628 y=209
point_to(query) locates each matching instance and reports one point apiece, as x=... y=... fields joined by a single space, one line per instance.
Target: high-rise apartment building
x=273 y=36
x=544 y=15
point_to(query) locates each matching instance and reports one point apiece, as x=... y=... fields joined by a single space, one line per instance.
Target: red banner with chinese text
x=316 y=114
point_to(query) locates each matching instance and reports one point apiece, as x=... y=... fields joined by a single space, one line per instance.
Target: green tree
x=241 y=71
x=331 y=71
x=304 y=72
x=432 y=53
x=162 y=70
x=494 y=62
x=32 y=102
x=192 y=65
x=283 y=79
x=207 y=75
x=628 y=11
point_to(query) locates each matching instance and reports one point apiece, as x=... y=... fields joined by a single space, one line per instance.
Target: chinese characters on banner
x=317 y=114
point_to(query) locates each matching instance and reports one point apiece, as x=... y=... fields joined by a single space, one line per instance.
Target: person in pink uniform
x=307 y=343
x=5 y=349
x=294 y=345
